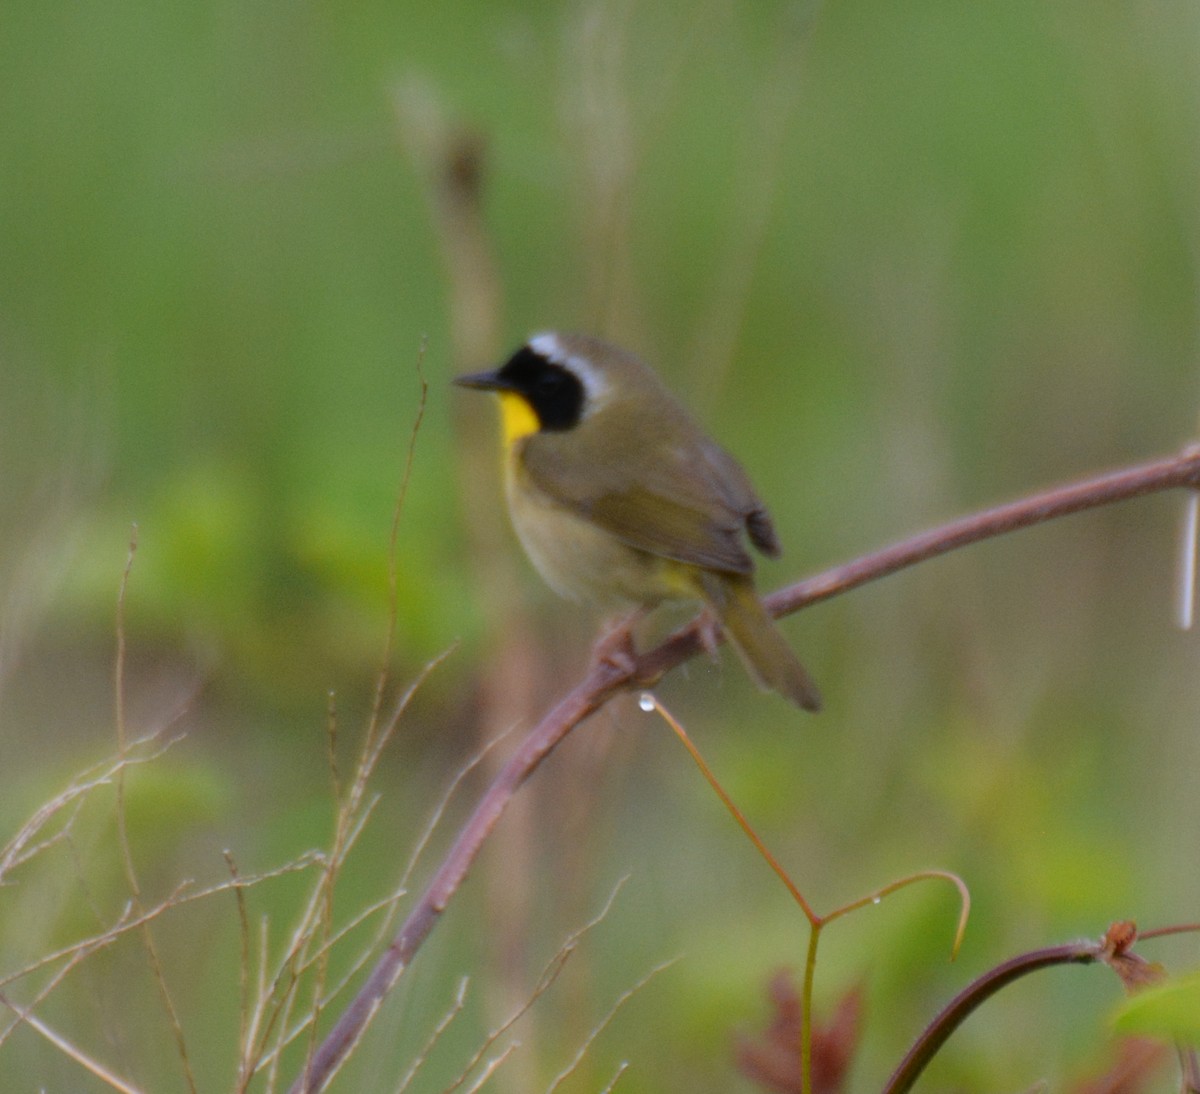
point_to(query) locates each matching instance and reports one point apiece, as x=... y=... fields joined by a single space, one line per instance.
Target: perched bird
x=618 y=495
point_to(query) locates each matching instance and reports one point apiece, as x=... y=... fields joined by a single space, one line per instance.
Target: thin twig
x=589 y=1040
x=393 y=600
x=71 y=1050
x=127 y=921
x=545 y=981
x=492 y=1065
x=243 y=977
x=604 y=680
x=391 y=902
x=622 y=1067
x=353 y=811
x=21 y=848
x=460 y=998
x=123 y=842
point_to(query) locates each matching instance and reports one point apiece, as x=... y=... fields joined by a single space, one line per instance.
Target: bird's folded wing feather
x=686 y=502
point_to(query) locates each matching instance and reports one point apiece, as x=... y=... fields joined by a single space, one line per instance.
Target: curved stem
x=966 y=1001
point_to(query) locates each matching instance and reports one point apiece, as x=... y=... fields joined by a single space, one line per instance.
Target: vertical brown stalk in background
x=599 y=137
x=451 y=161
x=760 y=169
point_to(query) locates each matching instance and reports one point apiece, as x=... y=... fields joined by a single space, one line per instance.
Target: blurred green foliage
x=906 y=259
x=1170 y=1011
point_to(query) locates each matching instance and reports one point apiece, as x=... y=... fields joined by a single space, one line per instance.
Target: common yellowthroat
x=618 y=495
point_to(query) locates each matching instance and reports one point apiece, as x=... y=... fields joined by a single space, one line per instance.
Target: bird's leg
x=708 y=630
x=615 y=645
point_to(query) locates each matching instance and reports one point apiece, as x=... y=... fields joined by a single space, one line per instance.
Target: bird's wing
x=686 y=500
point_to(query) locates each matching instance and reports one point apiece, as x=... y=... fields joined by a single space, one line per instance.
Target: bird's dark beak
x=484 y=381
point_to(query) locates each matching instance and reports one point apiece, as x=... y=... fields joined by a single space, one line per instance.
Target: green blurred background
x=905 y=259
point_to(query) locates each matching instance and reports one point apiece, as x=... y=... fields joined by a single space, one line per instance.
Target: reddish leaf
x=1137 y=1060
x=773 y=1060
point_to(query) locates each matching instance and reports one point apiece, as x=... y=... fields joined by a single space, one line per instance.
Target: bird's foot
x=615 y=646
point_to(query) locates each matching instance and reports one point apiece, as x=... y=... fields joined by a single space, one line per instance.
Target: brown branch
x=1130 y=482
x=604 y=680
x=973 y=996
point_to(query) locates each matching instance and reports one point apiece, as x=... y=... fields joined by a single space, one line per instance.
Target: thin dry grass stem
x=346 y=831
x=349 y=927
x=355 y=809
x=246 y=1050
x=305 y=1023
x=492 y=1066
x=278 y=1003
x=373 y=748
x=278 y=1018
x=119 y=662
x=439 y=810
x=274 y=1008
x=22 y=847
x=23 y=854
x=331 y=744
x=390 y=902
x=126 y=850
x=78 y=863
x=603 y=680
x=381 y=683
x=598 y=685
x=129 y=920
x=352 y=815
x=604 y=1022
x=43 y=994
x=244 y=957
x=136 y=918
x=622 y=1067
x=443 y=1024
x=549 y=974
x=314 y=935
x=70 y=1050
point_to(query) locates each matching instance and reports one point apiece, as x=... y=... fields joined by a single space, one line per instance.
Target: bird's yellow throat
x=517 y=416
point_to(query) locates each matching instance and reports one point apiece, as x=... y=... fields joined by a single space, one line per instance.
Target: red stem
x=974 y=995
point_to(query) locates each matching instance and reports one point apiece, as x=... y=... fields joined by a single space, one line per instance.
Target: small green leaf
x=1171 y=1010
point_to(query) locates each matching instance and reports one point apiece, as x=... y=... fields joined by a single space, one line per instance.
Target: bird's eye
x=548 y=383
x=557 y=397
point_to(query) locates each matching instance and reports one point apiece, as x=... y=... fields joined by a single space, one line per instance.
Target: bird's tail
x=752 y=632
